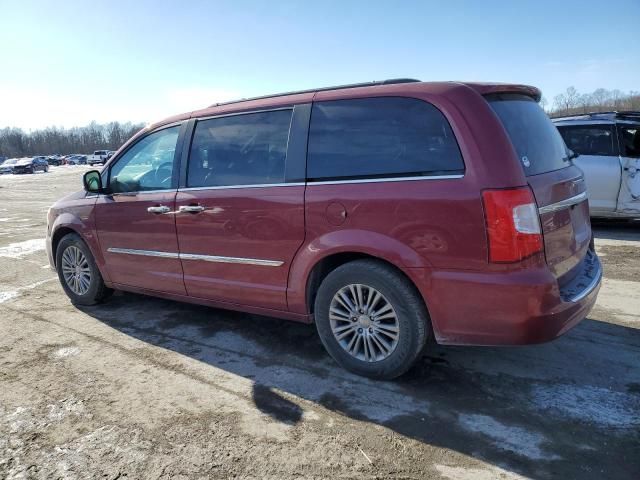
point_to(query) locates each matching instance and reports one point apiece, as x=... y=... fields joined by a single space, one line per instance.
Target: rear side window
x=629 y=139
x=244 y=149
x=589 y=139
x=380 y=137
x=535 y=139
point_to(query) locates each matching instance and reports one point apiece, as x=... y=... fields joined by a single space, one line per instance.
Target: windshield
x=536 y=140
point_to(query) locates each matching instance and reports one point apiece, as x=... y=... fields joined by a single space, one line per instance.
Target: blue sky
x=69 y=62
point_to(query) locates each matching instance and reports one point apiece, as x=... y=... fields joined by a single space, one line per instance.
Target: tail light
x=513 y=224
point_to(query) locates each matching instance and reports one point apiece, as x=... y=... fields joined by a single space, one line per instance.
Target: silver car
x=608 y=145
x=7 y=166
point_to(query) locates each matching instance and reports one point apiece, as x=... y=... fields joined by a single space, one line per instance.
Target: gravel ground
x=147 y=388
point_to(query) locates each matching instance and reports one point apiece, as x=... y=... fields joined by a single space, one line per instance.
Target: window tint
x=589 y=139
x=535 y=138
x=244 y=149
x=373 y=137
x=629 y=139
x=148 y=165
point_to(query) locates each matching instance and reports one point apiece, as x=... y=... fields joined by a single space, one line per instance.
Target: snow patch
x=595 y=405
x=489 y=473
x=22 y=249
x=513 y=439
x=4 y=296
x=66 y=352
x=57 y=412
x=8 y=295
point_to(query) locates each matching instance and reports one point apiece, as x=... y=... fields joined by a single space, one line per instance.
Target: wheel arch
x=325 y=265
x=66 y=224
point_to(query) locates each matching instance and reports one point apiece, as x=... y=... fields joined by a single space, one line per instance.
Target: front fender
x=345 y=241
x=80 y=220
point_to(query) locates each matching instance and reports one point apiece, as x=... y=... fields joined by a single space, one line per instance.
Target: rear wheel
x=78 y=272
x=371 y=319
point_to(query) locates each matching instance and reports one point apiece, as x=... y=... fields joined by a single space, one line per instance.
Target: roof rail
x=390 y=81
x=610 y=115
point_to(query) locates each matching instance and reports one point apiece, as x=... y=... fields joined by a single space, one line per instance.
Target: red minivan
x=387 y=213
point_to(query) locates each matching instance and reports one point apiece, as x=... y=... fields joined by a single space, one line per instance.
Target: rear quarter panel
x=434 y=225
x=430 y=224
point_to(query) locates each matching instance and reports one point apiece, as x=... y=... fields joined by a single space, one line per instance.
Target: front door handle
x=191 y=208
x=159 y=209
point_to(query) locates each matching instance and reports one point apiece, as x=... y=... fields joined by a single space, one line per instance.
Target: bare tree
x=560 y=102
x=543 y=103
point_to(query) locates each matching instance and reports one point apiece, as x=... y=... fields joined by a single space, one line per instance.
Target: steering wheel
x=163 y=173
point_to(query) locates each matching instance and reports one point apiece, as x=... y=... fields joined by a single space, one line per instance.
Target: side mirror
x=92 y=181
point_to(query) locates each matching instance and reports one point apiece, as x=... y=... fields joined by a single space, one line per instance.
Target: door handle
x=191 y=208
x=159 y=209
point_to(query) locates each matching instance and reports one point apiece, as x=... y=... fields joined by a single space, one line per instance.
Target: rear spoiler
x=498 y=88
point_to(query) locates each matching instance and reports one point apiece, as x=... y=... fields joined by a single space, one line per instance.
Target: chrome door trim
x=384 y=180
x=562 y=204
x=138 y=192
x=240 y=260
x=256 y=185
x=145 y=253
x=193 y=256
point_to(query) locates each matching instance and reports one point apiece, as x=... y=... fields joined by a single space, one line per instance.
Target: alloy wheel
x=364 y=322
x=76 y=270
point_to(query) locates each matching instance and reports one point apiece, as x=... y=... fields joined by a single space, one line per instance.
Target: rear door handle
x=159 y=209
x=191 y=208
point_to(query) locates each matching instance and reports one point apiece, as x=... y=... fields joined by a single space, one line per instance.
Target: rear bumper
x=514 y=308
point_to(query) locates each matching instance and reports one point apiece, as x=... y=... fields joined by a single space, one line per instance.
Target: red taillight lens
x=513 y=224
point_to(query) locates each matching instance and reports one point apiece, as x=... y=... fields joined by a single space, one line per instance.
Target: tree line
x=572 y=102
x=15 y=142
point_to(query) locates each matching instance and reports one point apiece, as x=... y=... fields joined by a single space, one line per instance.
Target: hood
x=70 y=198
x=24 y=161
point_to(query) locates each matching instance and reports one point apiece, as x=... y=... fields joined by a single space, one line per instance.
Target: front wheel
x=78 y=272
x=371 y=319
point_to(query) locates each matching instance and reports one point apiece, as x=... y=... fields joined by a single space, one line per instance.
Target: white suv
x=608 y=148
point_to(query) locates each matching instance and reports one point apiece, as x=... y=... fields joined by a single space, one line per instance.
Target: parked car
x=31 y=165
x=2 y=159
x=608 y=145
x=76 y=159
x=387 y=213
x=99 y=157
x=7 y=166
x=55 y=159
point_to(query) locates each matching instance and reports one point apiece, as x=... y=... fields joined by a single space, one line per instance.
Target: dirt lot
x=147 y=388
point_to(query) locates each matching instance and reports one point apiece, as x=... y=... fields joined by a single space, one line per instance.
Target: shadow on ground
x=565 y=409
x=616 y=229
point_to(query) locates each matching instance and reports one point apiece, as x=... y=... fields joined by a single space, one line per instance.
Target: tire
x=411 y=319
x=86 y=291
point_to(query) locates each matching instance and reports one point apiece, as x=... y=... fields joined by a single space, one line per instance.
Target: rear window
x=380 y=137
x=536 y=140
x=629 y=139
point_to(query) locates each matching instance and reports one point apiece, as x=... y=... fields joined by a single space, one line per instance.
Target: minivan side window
x=245 y=149
x=589 y=139
x=147 y=165
x=380 y=137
